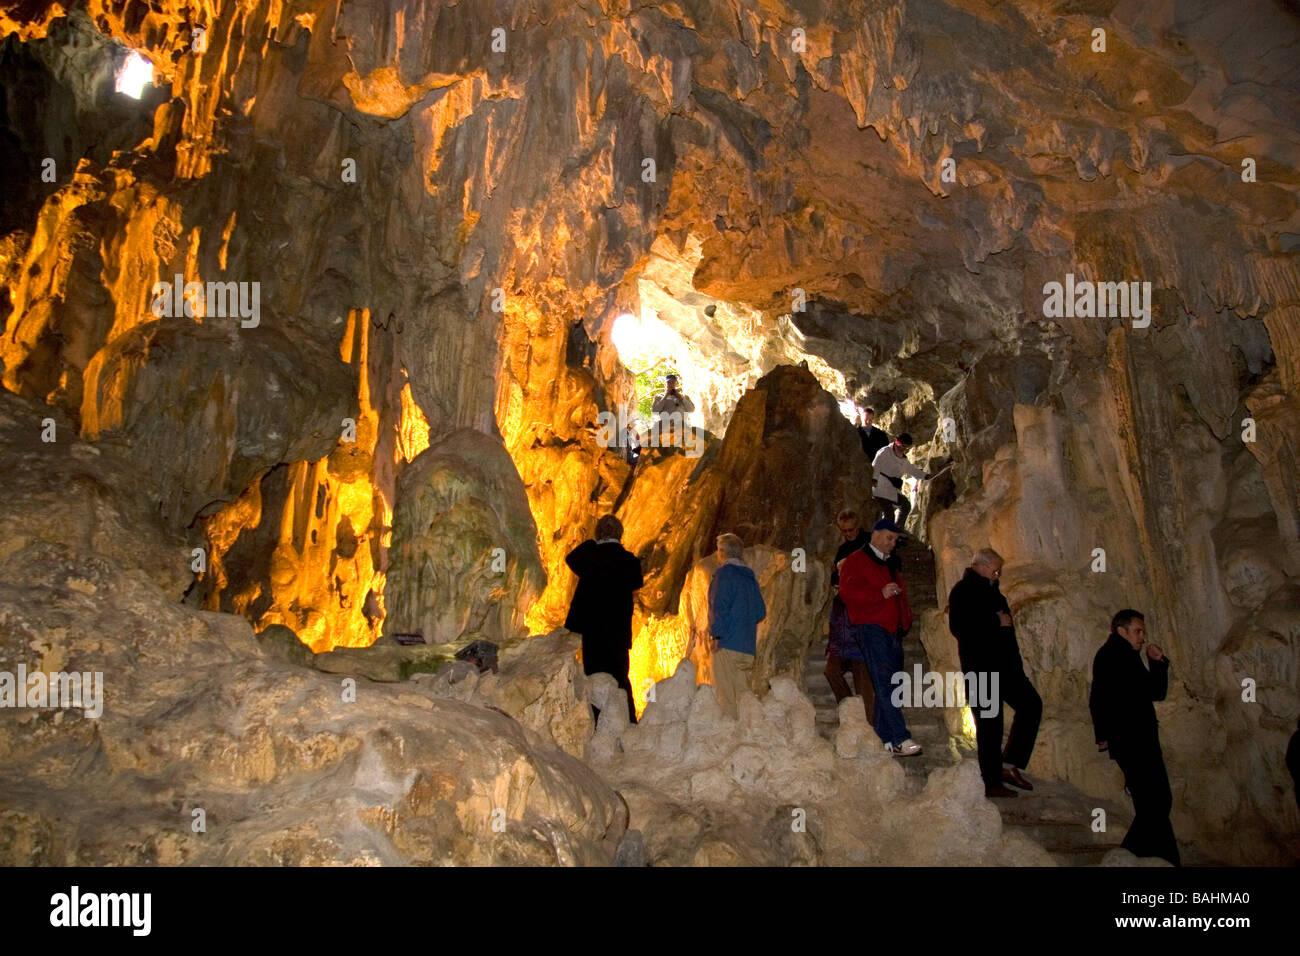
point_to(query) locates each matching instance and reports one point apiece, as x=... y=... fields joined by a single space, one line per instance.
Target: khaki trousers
x=732 y=676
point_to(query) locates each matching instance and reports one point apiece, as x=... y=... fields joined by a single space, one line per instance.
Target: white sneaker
x=908 y=748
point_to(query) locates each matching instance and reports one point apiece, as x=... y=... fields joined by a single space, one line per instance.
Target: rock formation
x=449 y=576
x=208 y=747
x=413 y=226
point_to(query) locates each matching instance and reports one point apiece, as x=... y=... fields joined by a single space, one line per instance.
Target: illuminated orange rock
x=786 y=441
x=211 y=408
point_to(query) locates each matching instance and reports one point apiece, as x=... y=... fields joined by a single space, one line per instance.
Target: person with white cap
x=889 y=467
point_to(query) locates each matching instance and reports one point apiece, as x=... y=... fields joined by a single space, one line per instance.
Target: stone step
x=927 y=736
x=1056 y=838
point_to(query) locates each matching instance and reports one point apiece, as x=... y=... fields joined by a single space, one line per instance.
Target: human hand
x=1005 y=618
x=713 y=645
x=1103 y=746
x=891 y=589
x=1154 y=652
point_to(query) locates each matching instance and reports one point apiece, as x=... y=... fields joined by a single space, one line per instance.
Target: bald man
x=980 y=618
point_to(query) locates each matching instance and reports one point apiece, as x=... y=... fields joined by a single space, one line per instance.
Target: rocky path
x=1059 y=818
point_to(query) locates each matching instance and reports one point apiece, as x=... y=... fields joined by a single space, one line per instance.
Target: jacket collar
x=973 y=575
x=861 y=540
x=890 y=561
x=1120 y=643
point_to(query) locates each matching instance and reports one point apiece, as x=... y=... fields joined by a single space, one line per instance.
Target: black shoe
x=1013 y=776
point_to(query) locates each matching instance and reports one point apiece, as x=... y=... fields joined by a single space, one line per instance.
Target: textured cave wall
x=1144 y=460
x=198 y=715
x=59 y=104
x=779 y=167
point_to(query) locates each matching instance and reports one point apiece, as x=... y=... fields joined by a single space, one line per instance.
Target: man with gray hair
x=980 y=618
x=735 y=608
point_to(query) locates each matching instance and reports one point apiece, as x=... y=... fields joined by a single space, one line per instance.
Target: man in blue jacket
x=735 y=608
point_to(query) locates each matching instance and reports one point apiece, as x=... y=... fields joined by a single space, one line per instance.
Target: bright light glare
x=849 y=410
x=135 y=73
x=628 y=336
x=643 y=341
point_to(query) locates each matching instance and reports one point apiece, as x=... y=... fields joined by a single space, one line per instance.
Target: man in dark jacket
x=842 y=652
x=601 y=610
x=1124 y=720
x=872 y=438
x=980 y=618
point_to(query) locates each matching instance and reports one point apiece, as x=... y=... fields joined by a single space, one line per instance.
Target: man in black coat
x=872 y=438
x=601 y=610
x=1124 y=720
x=980 y=618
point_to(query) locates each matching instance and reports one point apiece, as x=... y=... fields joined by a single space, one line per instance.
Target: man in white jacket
x=889 y=466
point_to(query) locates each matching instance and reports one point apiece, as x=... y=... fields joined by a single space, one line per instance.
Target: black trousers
x=1014 y=690
x=896 y=512
x=1144 y=774
x=602 y=654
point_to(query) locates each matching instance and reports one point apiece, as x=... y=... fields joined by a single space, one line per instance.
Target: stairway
x=926 y=724
x=1058 y=817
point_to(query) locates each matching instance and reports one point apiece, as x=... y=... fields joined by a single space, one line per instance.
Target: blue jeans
x=884 y=653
